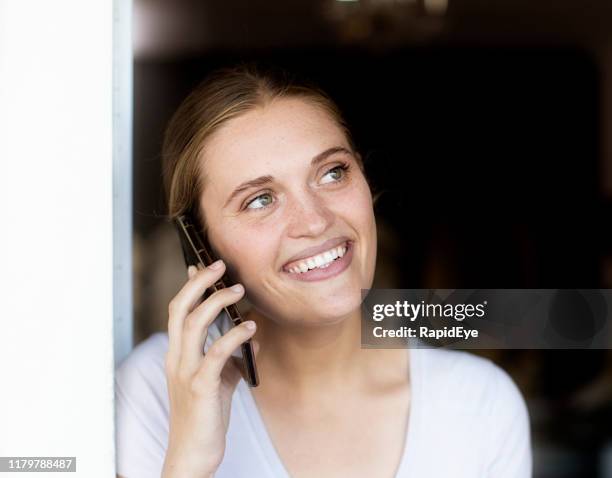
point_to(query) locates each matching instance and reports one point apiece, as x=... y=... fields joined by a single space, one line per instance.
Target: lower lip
x=334 y=269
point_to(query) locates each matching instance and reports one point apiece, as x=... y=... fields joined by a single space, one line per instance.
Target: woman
x=269 y=168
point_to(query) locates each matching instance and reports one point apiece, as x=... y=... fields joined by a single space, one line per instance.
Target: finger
x=180 y=305
x=222 y=349
x=195 y=329
x=191 y=272
x=192 y=291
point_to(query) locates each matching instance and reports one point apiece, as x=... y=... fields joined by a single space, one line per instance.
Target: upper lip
x=313 y=251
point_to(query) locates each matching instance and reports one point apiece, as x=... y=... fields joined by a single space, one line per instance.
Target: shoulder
x=475 y=401
x=151 y=348
x=141 y=409
x=140 y=379
x=145 y=361
x=468 y=383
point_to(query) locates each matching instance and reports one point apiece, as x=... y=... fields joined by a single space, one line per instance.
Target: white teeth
x=321 y=261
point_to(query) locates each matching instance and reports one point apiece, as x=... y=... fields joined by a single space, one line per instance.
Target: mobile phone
x=197 y=250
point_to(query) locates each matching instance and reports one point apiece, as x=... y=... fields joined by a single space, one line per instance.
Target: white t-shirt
x=467 y=419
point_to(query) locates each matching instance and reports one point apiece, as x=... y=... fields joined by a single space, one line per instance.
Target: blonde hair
x=225 y=94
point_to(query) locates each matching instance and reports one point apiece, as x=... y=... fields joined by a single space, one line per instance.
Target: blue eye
x=258 y=200
x=263 y=201
x=338 y=173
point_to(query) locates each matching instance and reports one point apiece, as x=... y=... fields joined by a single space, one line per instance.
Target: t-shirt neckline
x=264 y=442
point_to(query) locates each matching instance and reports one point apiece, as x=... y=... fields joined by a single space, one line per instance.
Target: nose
x=309 y=215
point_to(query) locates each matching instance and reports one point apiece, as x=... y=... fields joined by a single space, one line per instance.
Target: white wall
x=56 y=240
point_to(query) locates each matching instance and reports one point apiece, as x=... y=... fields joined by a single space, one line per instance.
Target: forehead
x=285 y=130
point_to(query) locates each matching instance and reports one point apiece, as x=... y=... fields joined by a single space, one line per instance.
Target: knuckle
x=223 y=296
x=198 y=386
x=213 y=303
x=190 y=322
x=171 y=319
x=207 y=275
x=183 y=376
x=216 y=351
x=173 y=307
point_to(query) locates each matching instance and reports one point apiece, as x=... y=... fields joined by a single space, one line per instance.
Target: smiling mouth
x=318 y=261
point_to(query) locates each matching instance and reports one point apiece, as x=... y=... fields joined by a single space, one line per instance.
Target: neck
x=310 y=357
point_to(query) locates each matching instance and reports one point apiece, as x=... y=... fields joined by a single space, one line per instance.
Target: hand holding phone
x=201 y=386
x=197 y=251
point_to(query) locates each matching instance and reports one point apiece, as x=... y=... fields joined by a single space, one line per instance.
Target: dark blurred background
x=488 y=127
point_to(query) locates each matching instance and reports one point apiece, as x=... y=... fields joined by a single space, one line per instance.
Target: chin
x=312 y=307
x=318 y=319
x=334 y=311
x=329 y=311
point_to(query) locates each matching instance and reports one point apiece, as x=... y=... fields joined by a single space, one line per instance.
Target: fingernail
x=249 y=324
x=237 y=288
x=191 y=270
x=216 y=265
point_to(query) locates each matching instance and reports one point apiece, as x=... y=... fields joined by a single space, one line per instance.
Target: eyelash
x=345 y=167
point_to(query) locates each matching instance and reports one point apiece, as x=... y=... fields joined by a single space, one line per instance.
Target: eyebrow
x=262 y=180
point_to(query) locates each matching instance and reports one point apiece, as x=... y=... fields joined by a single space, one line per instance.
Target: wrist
x=179 y=469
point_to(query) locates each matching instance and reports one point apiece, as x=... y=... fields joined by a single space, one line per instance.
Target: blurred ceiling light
x=386 y=22
x=163 y=28
x=435 y=7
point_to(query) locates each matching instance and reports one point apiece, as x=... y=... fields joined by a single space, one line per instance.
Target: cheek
x=357 y=205
x=249 y=252
x=242 y=243
x=361 y=216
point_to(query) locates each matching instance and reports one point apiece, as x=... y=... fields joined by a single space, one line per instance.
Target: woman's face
x=300 y=203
